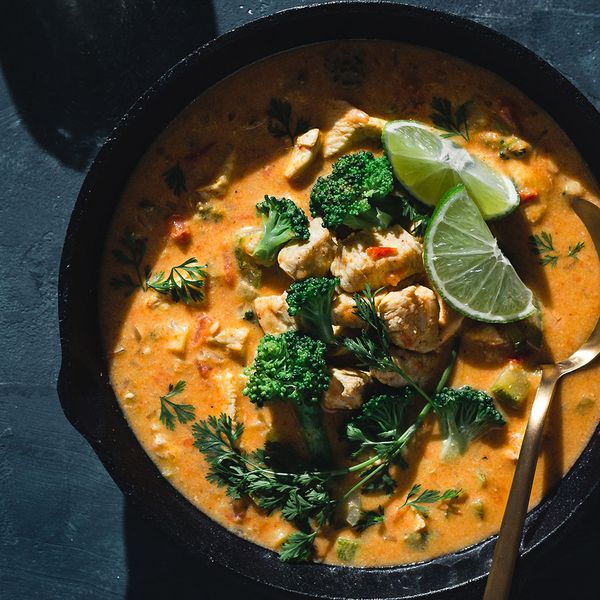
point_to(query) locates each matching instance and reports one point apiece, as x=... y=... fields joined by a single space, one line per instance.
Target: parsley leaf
x=131 y=255
x=576 y=249
x=379 y=482
x=368 y=518
x=452 y=124
x=543 y=246
x=298 y=547
x=280 y=122
x=185 y=282
x=416 y=498
x=170 y=411
x=175 y=179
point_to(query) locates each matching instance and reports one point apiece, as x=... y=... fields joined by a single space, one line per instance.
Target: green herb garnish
x=303 y=497
x=175 y=179
x=368 y=518
x=416 y=498
x=543 y=246
x=576 y=249
x=132 y=255
x=170 y=411
x=452 y=124
x=373 y=347
x=281 y=124
x=185 y=282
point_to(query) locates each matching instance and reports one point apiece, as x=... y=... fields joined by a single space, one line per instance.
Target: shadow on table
x=74 y=67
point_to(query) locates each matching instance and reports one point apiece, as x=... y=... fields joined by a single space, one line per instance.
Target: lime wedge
x=428 y=165
x=466 y=266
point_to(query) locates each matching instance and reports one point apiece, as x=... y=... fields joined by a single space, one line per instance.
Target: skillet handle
x=507 y=547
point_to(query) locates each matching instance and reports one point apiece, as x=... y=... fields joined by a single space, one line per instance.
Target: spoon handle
x=509 y=538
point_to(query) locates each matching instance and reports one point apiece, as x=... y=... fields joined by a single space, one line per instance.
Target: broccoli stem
x=313 y=430
x=270 y=243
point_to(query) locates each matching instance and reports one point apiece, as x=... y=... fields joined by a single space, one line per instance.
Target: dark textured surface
x=68 y=71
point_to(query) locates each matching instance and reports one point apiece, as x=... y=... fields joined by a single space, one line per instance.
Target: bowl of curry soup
x=252 y=341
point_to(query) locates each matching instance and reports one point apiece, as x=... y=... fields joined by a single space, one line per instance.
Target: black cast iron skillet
x=85 y=393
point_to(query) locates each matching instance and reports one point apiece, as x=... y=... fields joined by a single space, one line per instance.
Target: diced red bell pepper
x=179 y=230
x=377 y=252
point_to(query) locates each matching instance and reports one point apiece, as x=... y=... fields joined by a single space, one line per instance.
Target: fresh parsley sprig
x=452 y=123
x=419 y=220
x=575 y=250
x=372 y=347
x=175 y=179
x=130 y=255
x=299 y=547
x=368 y=518
x=280 y=122
x=417 y=498
x=185 y=281
x=171 y=411
x=303 y=497
x=543 y=245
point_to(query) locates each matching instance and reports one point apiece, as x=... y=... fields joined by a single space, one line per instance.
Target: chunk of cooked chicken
x=422 y=368
x=352 y=126
x=412 y=316
x=342 y=312
x=378 y=258
x=449 y=322
x=346 y=390
x=231 y=338
x=312 y=257
x=220 y=185
x=417 y=319
x=304 y=152
x=272 y=314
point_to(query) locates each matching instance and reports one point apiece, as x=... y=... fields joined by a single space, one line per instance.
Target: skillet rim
x=74 y=369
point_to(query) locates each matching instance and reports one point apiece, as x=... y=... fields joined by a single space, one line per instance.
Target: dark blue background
x=70 y=68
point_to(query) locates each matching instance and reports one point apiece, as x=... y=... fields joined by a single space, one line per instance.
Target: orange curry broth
x=226 y=128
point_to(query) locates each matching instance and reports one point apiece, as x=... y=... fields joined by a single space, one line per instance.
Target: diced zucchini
x=478 y=508
x=512 y=386
x=346 y=549
x=585 y=404
x=481 y=478
x=417 y=540
x=249 y=272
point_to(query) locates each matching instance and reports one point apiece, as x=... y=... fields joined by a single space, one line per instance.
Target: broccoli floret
x=282 y=222
x=465 y=414
x=344 y=197
x=381 y=419
x=291 y=366
x=310 y=302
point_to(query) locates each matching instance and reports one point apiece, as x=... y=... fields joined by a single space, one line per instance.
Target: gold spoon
x=509 y=538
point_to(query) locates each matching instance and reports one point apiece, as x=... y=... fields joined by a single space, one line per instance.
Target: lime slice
x=428 y=165
x=466 y=266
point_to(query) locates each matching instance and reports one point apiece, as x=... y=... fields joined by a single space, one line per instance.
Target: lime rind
x=427 y=165
x=466 y=266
